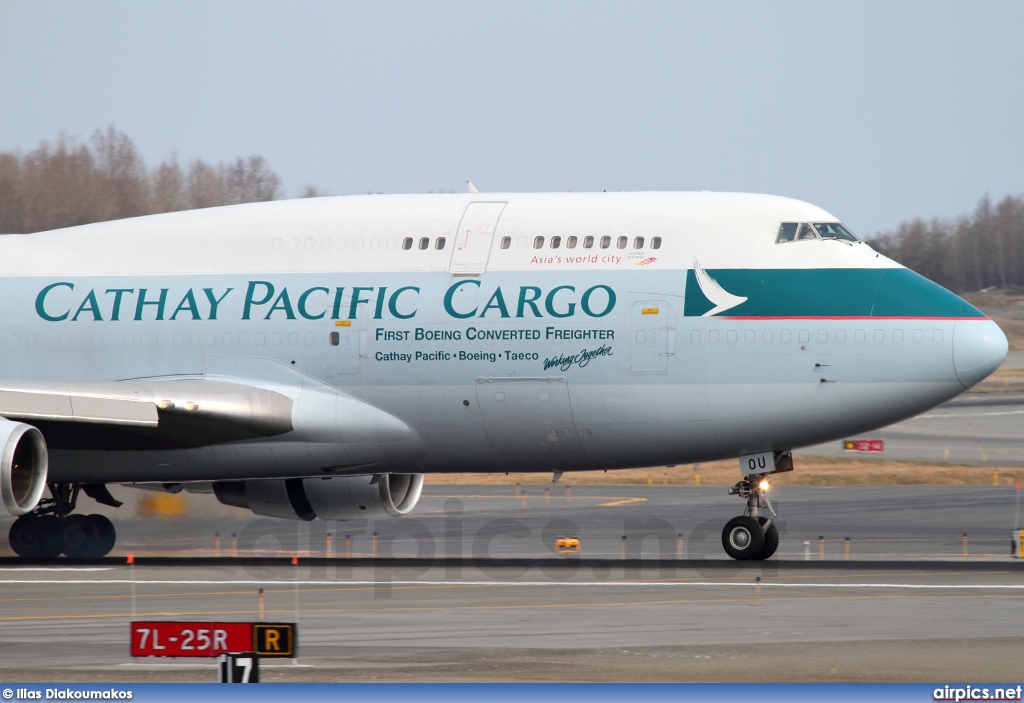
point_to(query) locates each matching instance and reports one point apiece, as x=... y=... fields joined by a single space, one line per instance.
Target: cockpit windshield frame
x=834 y=230
x=804 y=231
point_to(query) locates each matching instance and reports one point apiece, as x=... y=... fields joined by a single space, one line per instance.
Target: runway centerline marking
x=622 y=502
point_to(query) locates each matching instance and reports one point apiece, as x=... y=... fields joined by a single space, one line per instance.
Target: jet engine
x=23 y=465
x=333 y=498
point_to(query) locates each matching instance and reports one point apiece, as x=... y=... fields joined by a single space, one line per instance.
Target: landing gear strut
x=751 y=536
x=52 y=530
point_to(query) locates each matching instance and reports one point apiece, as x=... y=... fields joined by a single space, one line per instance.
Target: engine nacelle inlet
x=333 y=498
x=23 y=466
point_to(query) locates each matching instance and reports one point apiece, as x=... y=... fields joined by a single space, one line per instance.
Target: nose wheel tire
x=743 y=538
x=771 y=539
x=746 y=537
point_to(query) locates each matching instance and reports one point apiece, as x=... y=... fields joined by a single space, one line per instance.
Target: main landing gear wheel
x=80 y=536
x=751 y=536
x=36 y=537
x=47 y=536
x=107 y=534
x=52 y=529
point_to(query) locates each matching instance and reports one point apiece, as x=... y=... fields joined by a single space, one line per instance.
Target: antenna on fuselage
x=471 y=187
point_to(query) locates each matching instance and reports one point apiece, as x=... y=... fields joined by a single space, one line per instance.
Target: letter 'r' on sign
x=274 y=640
x=761 y=463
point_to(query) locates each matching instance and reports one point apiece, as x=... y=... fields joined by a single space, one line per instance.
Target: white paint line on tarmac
x=57 y=568
x=285 y=583
x=940 y=416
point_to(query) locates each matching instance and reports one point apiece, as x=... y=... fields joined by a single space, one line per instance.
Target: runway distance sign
x=211 y=639
x=864 y=445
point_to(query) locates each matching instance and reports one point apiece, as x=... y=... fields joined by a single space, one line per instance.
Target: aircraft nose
x=979 y=347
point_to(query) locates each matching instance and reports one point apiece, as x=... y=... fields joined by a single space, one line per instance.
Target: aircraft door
x=529 y=416
x=473 y=238
x=652 y=337
x=346 y=345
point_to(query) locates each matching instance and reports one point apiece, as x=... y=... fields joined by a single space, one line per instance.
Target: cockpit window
x=787 y=231
x=806 y=232
x=834 y=230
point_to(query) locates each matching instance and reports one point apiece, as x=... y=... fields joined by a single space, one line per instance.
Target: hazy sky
x=877 y=112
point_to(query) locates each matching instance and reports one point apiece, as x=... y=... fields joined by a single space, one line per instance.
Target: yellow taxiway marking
x=621 y=502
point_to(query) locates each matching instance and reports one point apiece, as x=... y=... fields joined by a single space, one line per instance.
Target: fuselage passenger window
x=424 y=242
x=334 y=338
x=638 y=242
x=538 y=242
x=506 y=242
x=606 y=242
x=570 y=243
x=407 y=243
x=656 y=243
x=439 y=243
x=787 y=232
x=621 y=243
x=556 y=242
x=588 y=242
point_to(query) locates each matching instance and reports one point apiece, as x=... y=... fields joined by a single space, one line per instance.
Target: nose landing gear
x=751 y=536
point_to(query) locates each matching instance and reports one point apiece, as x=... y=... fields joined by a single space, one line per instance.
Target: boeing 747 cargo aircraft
x=317 y=358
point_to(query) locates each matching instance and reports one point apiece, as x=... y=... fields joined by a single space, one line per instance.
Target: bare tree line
x=982 y=250
x=68 y=183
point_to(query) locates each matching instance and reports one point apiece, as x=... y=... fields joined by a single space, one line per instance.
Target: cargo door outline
x=652 y=337
x=474 y=238
x=528 y=416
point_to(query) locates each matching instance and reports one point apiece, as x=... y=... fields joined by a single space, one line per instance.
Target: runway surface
x=906 y=606
x=417 y=624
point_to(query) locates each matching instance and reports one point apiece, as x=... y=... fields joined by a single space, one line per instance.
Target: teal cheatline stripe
x=902 y=289
x=828 y=293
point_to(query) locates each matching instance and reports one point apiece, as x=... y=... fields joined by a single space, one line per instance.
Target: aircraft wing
x=228 y=410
